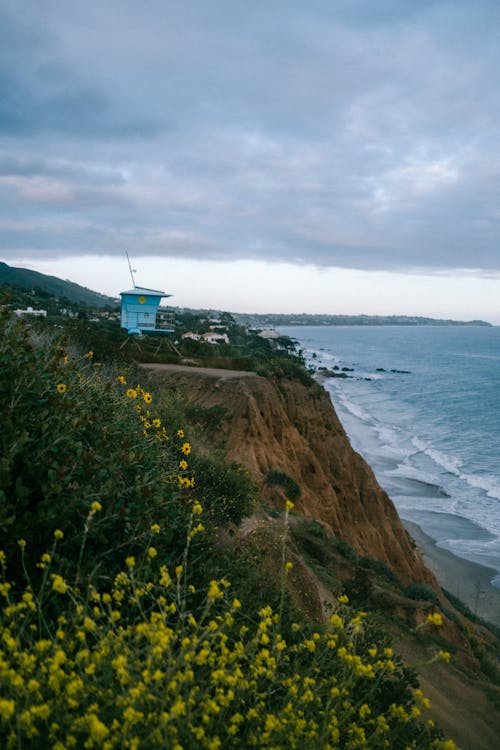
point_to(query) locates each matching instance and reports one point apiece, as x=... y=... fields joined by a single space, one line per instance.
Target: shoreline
x=468 y=581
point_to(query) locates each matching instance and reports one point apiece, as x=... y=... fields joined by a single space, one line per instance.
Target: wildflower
x=58 y=534
x=178 y=570
x=183 y=465
x=157 y=423
x=89 y=355
x=186 y=449
x=180 y=433
x=98 y=730
x=444 y=656
x=96 y=507
x=147 y=398
x=62 y=387
x=59 y=584
x=289 y=505
x=121 y=380
x=155 y=528
x=131 y=393
x=435 y=618
x=7 y=708
x=343 y=599
x=130 y=561
x=22 y=543
x=152 y=552
x=288 y=566
x=197 y=508
x=214 y=591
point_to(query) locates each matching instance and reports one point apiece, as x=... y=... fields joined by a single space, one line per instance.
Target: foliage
x=71 y=436
x=140 y=667
x=225 y=489
x=292 y=489
x=421 y=592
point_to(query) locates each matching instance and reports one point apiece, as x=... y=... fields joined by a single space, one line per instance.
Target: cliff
x=293 y=428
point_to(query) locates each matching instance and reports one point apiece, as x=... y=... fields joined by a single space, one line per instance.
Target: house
x=269 y=333
x=191 y=335
x=215 y=338
x=31 y=311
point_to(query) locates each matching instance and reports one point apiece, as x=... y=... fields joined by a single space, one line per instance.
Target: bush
x=225 y=489
x=421 y=592
x=292 y=489
x=139 y=667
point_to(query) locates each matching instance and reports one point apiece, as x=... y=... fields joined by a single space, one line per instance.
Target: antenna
x=132 y=270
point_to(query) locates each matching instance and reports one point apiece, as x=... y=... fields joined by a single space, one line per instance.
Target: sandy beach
x=467 y=580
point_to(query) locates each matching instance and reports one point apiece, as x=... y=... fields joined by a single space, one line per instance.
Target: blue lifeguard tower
x=141 y=312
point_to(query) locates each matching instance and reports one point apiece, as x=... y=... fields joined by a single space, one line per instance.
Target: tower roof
x=143 y=290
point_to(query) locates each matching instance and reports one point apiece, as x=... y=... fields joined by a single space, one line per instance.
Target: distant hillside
x=305 y=319
x=26 y=279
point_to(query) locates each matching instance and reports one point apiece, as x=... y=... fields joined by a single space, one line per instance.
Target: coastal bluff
x=291 y=427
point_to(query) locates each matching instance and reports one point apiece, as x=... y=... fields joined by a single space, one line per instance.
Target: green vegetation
x=276 y=477
x=125 y=619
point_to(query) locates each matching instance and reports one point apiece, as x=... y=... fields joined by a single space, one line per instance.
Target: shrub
x=139 y=667
x=292 y=489
x=421 y=592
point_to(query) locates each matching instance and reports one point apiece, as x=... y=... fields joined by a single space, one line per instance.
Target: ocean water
x=422 y=406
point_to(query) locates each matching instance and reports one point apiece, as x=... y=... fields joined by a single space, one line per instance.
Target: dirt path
x=214 y=372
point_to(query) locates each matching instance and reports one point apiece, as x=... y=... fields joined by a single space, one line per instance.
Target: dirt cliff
x=293 y=428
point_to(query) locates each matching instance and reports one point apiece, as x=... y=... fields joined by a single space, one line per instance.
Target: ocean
x=422 y=406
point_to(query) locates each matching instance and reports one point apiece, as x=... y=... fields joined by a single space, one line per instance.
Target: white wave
x=449 y=463
x=489 y=484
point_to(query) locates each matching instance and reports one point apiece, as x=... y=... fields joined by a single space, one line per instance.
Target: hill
x=26 y=279
x=306 y=319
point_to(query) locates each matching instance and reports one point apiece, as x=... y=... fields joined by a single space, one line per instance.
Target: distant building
x=215 y=338
x=31 y=311
x=269 y=333
x=191 y=335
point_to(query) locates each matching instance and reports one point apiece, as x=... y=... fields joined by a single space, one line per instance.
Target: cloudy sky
x=274 y=155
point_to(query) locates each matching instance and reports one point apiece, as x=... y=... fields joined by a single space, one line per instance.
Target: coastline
x=468 y=581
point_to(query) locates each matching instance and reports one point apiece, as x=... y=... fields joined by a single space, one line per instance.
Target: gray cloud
x=335 y=133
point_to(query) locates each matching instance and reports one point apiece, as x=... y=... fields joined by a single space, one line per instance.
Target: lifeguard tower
x=141 y=311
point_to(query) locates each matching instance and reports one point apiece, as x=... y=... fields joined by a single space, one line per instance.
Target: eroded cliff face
x=294 y=428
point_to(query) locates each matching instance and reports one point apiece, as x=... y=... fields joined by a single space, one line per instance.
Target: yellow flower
x=96 y=506
x=7 y=708
x=130 y=561
x=22 y=543
x=435 y=618
x=186 y=449
x=157 y=423
x=343 y=599
x=197 y=508
x=147 y=398
x=62 y=387
x=288 y=566
x=89 y=355
x=155 y=528
x=289 y=505
x=121 y=380
x=183 y=465
x=180 y=433
x=59 y=584
x=98 y=730
x=152 y=552
x=131 y=393
x=58 y=534
x=444 y=656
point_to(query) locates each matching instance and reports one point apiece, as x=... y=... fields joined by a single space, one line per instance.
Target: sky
x=336 y=156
